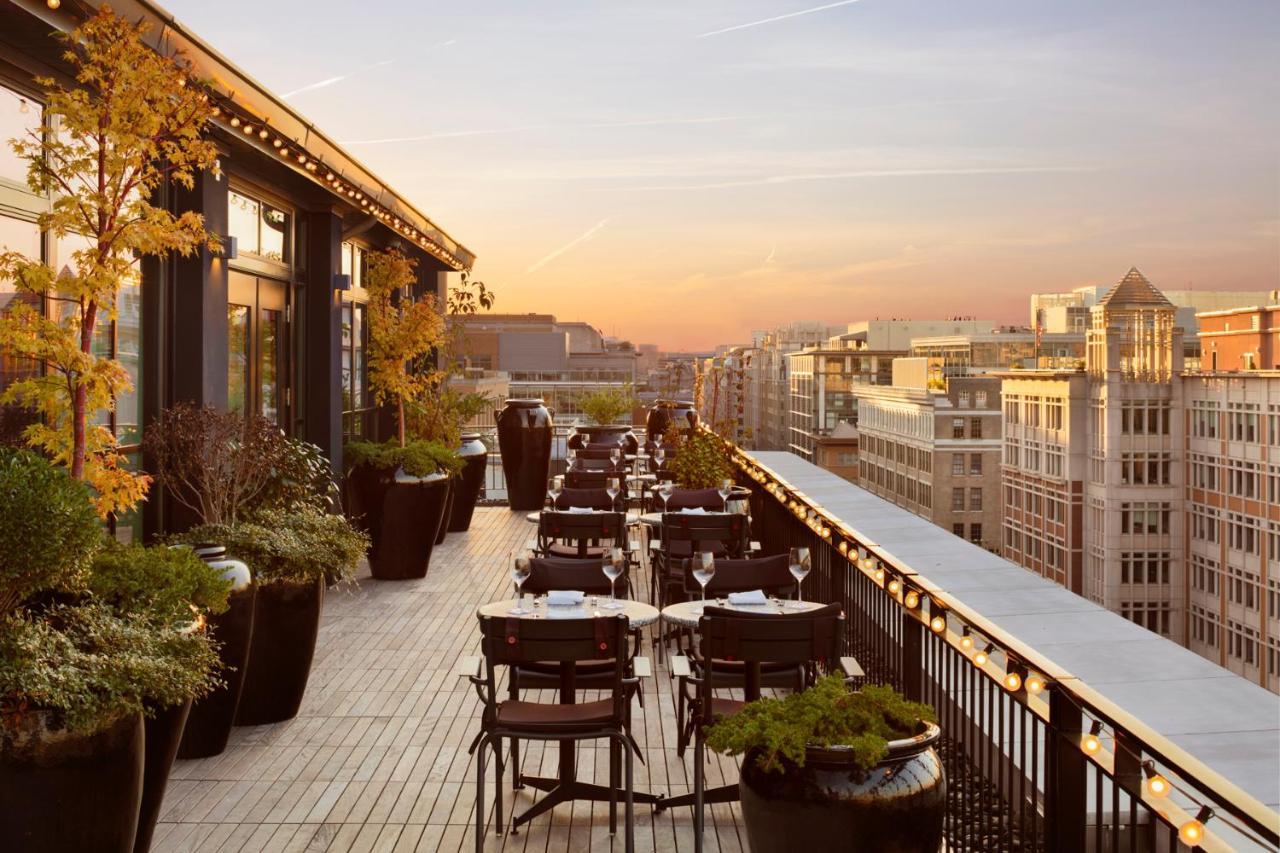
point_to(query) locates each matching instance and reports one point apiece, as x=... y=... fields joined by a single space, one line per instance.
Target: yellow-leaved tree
x=132 y=121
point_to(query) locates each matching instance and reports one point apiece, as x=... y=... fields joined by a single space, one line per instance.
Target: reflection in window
x=269 y=351
x=259 y=228
x=19 y=117
x=16 y=235
x=354 y=403
x=242 y=222
x=275 y=224
x=237 y=356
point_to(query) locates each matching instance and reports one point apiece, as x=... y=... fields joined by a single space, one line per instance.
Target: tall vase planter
x=524 y=438
x=211 y=718
x=475 y=458
x=402 y=515
x=284 y=644
x=163 y=734
x=448 y=510
x=895 y=807
x=63 y=791
x=604 y=433
x=664 y=414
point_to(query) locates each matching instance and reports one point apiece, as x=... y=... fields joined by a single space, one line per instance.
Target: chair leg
x=699 y=786
x=516 y=784
x=630 y=813
x=480 y=797
x=681 y=740
x=498 y=822
x=615 y=772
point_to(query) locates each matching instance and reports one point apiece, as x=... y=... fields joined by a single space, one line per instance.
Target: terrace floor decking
x=377 y=758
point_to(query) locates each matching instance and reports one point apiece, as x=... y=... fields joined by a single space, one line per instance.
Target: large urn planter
x=62 y=791
x=665 y=414
x=402 y=515
x=895 y=807
x=605 y=434
x=469 y=483
x=524 y=438
x=163 y=734
x=284 y=643
x=448 y=510
x=212 y=716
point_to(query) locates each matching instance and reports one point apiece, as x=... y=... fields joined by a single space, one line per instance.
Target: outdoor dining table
x=565 y=786
x=686 y=614
x=534 y=517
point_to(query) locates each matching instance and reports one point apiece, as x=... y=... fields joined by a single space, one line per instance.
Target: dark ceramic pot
x=605 y=434
x=63 y=791
x=284 y=642
x=467 y=488
x=402 y=515
x=524 y=438
x=448 y=509
x=164 y=733
x=896 y=807
x=665 y=413
x=209 y=723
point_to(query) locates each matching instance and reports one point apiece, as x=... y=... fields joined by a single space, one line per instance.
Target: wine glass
x=799 y=566
x=726 y=489
x=615 y=456
x=554 y=489
x=665 y=491
x=659 y=456
x=613 y=488
x=521 y=566
x=571 y=456
x=704 y=569
x=614 y=562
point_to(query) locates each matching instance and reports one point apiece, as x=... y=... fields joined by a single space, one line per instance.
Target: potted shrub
x=75 y=674
x=294 y=556
x=174 y=590
x=400 y=489
x=826 y=763
x=701 y=459
x=603 y=407
x=440 y=418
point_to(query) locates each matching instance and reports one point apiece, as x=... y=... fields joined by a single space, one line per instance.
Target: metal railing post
x=912 y=656
x=1066 y=771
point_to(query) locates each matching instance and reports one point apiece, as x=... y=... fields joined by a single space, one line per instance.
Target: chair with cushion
x=580 y=534
x=576 y=478
x=519 y=642
x=685 y=534
x=810 y=640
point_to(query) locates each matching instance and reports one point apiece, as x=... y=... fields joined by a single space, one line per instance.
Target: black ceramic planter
x=896 y=807
x=211 y=718
x=163 y=734
x=284 y=642
x=524 y=437
x=61 y=791
x=466 y=489
x=448 y=509
x=665 y=414
x=601 y=434
x=402 y=516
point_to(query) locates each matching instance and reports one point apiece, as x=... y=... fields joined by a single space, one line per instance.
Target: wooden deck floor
x=377 y=760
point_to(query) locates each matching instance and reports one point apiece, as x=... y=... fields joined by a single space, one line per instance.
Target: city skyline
x=853 y=159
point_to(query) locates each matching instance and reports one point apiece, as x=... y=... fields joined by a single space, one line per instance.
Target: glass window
x=274 y=240
x=242 y=221
x=16 y=235
x=19 y=117
x=259 y=228
x=270 y=355
x=237 y=356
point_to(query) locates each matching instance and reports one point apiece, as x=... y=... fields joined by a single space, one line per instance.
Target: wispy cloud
x=772 y=180
x=772 y=253
x=575 y=242
x=329 y=81
x=522 y=128
x=777 y=18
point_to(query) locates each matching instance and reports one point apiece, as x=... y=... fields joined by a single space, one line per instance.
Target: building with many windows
x=1241 y=338
x=823 y=382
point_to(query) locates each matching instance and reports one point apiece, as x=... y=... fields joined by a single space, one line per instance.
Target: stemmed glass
x=571 y=456
x=521 y=566
x=615 y=456
x=799 y=566
x=614 y=562
x=613 y=488
x=554 y=489
x=659 y=456
x=704 y=569
x=665 y=491
x=726 y=489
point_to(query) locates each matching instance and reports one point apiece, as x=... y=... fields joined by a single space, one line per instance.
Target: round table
x=686 y=614
x=638 y=613
x=654 y=519
x=536 y=515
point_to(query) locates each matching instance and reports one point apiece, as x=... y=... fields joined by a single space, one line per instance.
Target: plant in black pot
x=604 y=407
x=440 y=417
x=75 y=673
x=700 y=459
x=173 y=590
x=294 y=555
x=827 y=764
x=400 y=489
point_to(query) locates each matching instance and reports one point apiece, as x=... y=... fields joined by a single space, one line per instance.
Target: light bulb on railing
x=1035 y=683
x=1012 y=682
x=1091 y=743
x=911 y=599
x=894 y=586
x=1192 y=832
x=1157 y=785
x=938 y=624
x=880 y=576
x=980 y=659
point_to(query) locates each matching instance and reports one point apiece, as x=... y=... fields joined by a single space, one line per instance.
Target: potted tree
x=604 y=406
x=700 y=460
x=400 y=488
x=826 y=763
x=76 y=673
x=440 y=419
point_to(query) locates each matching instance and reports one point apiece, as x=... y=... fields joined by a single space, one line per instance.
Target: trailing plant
x=605 y=405
x=301 y=476
x=128 y=125
x=701 y=459
x=289 y=546
x=48 y=528
x=169 y=585
x=218 y=464
x=84 y=665
x=825 y=715
x=403 y=331
x=417 y=458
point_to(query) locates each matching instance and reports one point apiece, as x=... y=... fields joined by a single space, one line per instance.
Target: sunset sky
x=682 y=172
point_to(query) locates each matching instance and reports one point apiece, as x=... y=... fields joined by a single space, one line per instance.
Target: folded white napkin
x=566 y=613
x=580 y=510
x=565 y=598
x=755 y=596
x=694 y=510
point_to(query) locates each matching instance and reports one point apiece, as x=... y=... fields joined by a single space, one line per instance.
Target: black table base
x=566 y=790
x=723 y=794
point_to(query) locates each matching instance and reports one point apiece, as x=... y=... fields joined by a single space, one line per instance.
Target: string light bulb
x=911 y=599
x=966 y=639
x=277 y=142
x=1091 y=742
x=894 y=586
x=1035 y=683
x=53 y=4
x=938 y=623
x=248 y=130
x=1012 y=681
x=1192 y=832
x=263 y=134
x=980 y=659
x=23 y=106
x=235 y=121
x=1157 y=785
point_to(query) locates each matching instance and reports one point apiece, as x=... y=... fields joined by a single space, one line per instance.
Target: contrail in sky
x=581 y=238
x=866 y=173
x=329 y=81
x=449 y=134
x=778 y=18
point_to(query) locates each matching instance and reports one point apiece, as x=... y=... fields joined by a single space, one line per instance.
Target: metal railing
x=1036 y=758
x=495 y=482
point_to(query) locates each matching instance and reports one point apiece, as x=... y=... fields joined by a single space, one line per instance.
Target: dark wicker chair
x=581 y=535
x=684 y=534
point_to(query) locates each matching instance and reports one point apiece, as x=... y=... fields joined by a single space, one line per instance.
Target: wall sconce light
x=341 y=281
x=230 y=248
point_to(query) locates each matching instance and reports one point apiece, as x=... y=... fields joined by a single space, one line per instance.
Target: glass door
x=257 y=346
